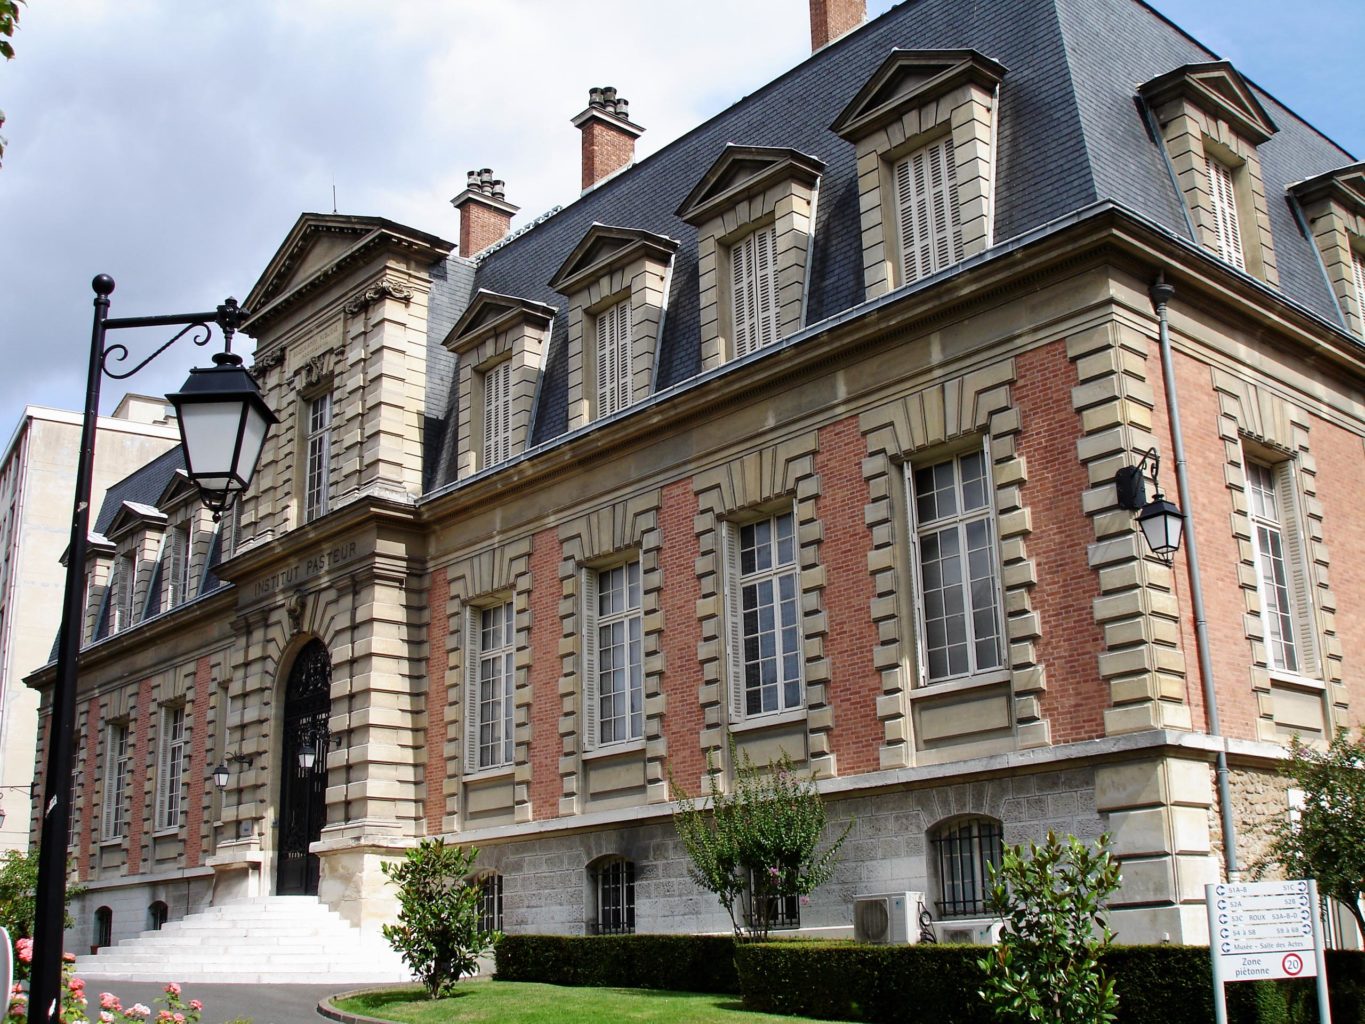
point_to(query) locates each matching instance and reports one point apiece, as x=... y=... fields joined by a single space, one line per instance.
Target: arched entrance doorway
x=303 y=790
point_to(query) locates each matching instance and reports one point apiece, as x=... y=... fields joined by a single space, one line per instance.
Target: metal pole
x=1161 y=297
x=46 y=980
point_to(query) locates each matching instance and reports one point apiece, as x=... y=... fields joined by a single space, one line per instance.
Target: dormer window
x=753 y=211
x=924 y=129
x=615 y=281
x=176 y=565
x=318 y=447
x=501 y=342
x=1334 y=206
x=1211 y=123
x=121 y=593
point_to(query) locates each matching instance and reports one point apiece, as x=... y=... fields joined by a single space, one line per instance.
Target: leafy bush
x=677 y=963
x=18 y=888
x=1047 y=965
x=438 y=931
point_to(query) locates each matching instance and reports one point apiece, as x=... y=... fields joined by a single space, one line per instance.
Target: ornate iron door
x=303 y=791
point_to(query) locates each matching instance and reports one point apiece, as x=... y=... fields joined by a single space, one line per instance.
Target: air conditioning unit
x=887 y=917
x=968 y=933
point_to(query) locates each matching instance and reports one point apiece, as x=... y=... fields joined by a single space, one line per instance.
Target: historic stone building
x=800 y=434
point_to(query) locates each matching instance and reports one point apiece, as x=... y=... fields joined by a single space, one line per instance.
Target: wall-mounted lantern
x=1161 y=521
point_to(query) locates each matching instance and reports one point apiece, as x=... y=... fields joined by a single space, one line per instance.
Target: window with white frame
x=492 y=680
x=1226 y=226
x=753 y=290
x=927 y=210
x=614 y=890
x=764 y=617
x=613 y=359
x=959 y=580
x=497 y=414
x=170 y=767
x=319 y=448
x=115 y=778
x=177 y=565
x=613 y=663
x=490 y=902
x=966 y=850
x=1281 y=569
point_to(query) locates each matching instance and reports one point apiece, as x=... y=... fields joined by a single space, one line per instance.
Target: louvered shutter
x=589 y=660
x=1358 y=275
x=740 y=298
x=1225 y=214
x=765 y=286
x=471 y=689
x=605 y=393
x=921 y=651
x=178 y=559
x=497 y=408
x=926 y=200
x=734 y=621
x=163 y=766
x=1296 y=569
x=623 y=356
x=613 y=359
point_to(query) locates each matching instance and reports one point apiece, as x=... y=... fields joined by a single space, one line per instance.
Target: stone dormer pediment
x=908 y=78
x=744 y=171
x=1345 y=184
x=134 y=515
x=177 y=491
x=490 y=313
x=321 y=246
x=604 y=249
x=1217 y=88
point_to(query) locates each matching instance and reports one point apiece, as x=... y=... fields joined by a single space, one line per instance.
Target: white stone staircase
x=276 y=939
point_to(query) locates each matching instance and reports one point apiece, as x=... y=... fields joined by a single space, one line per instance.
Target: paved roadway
x=263 y=1004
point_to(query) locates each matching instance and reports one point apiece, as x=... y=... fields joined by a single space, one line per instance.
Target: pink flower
x=164 y=1017
x=179 y=1018
x=24 y=947
x=69 y=958
x=173 y=989
x=774 y=872
x=138 y=1011
x=109 y=1001
x=106 y=1017
x=196 y=1005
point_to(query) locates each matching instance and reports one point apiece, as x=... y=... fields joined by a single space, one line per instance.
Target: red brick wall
x=682 y=633
x=199 y=738
x=438 y=662
x=1076 y=696
x=480 y=227
x=1341 y=489
x=854 y=684
x=137 y=803
x=85 y=826
x=545 y=665
x=605 y=150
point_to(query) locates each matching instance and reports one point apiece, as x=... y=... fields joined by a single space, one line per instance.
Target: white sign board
x=6 y=966
x=1263 y=929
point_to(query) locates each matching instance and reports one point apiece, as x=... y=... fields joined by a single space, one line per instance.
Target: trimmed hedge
x=679 y=963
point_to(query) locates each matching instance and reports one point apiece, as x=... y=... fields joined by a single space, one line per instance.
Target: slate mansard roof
x=1071 y=134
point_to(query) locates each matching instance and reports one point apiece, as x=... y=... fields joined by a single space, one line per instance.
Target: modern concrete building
x=801 y=434
x=37 y=480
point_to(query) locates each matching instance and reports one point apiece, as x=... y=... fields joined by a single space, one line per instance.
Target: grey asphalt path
x=262 y=1004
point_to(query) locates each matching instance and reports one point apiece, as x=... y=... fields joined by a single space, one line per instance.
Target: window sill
x=1294 y=679
x=489 y=774
x=766 y=721
x=164 y=833
x=114 y=841
x=958 y=685
x=613 y=749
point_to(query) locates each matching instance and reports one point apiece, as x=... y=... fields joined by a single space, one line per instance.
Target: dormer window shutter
x=613 y=359
x=1225 y=214
x=1358 y=276
x=926 y=200
x=497 y=414
x=753 y=289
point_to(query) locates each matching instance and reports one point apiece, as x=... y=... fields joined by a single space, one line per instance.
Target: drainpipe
x=1161 y=293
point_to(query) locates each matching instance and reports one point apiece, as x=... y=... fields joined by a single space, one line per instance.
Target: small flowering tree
x=75 y=1003
x=757 y=846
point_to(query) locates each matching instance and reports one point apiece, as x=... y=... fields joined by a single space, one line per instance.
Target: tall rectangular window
x=613 y=663
x=764 y=617
x=1286 y=606
x=121 y=593
x=317 y=484
x=170 y=767
x=492 y=680
x=613 y=365
x=177 y=565
x=959 y=580
x=753 y=290
x=497 y=414
x=928 y=214
x=1224 y=200
x=115 y=778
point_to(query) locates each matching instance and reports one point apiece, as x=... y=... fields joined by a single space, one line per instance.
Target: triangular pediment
x=603 y=248
x=177 y=490
x=1215 y=87
x=490 y=312
x=133 y=515
x=1345 y=184
x=743 y=170
x=319 y=245
x=909 y=78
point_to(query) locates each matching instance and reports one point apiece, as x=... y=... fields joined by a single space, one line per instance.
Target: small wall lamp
x=313 y=745
x=220 y=774
x=1162 y=522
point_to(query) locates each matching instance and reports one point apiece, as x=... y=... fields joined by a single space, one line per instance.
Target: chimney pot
x=608 y=136
x=485 y=214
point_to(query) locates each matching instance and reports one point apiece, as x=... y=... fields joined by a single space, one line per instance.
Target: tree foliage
x=438 y=932
x=756 y=845
x=9 y=21
x=18 y=897
x=1047 y=965
x=1326 y=838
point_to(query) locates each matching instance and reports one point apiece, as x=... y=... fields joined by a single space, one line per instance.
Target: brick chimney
x=829 y=19
x=608 y=135
x=485 y=213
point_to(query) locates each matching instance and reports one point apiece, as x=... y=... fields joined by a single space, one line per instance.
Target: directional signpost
x=1265 y=930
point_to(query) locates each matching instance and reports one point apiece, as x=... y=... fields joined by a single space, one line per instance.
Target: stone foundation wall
x=130 y=904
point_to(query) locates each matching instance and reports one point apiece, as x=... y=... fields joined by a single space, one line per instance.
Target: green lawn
x=510 y=1002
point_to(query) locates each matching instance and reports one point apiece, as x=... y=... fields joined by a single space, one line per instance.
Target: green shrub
x=678 y=963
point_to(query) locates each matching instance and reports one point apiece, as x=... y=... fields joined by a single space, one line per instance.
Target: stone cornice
x=881 y=99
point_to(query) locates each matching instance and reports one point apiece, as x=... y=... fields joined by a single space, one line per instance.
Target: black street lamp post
x=223 y=422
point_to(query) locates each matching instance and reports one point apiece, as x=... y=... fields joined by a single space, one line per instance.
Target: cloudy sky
x=173 y=144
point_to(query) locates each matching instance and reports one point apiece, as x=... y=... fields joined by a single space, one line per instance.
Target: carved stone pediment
x=741 y=171
x=1217 y=88
x=908 y=79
